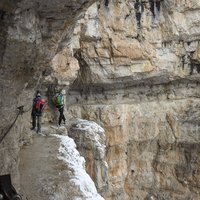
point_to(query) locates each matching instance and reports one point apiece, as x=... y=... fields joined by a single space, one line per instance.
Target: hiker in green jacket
x=59 y=100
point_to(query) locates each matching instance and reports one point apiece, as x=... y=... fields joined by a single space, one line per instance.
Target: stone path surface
x=52 y=169
x=38 y=168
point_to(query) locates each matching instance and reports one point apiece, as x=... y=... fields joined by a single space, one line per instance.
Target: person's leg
x=39 y=121
x=63 y=116
x=60 y=116
x=33 y=121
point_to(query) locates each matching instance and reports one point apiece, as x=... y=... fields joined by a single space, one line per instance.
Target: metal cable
x=20 y=112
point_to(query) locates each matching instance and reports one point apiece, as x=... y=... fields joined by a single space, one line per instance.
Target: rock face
x=90 y=140
x=152 y=144
x=32 y=34
x=131 y=66
x=139 y=79
x=139 y=40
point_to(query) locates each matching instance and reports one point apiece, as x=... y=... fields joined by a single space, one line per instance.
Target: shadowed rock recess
x=130 y=66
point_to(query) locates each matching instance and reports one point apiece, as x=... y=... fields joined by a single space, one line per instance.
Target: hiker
x=59 y=101
x=37 y=110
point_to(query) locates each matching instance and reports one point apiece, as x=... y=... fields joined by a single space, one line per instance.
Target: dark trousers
x=62 y=116
x=38 y=119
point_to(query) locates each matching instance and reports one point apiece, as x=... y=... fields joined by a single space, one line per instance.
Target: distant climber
x=59 y=102
x=37 y=110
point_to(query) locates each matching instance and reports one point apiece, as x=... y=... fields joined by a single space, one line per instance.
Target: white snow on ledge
x=93 y=131
x=69 y=154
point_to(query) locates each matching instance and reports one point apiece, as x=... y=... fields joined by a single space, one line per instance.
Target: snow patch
x=69 y=154
x=93 y=131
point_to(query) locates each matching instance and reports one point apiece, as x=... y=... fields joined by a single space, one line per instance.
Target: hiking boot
x=39 y=131
x=33 y=129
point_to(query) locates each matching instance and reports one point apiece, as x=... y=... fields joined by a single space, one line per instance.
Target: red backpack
x=40 y=104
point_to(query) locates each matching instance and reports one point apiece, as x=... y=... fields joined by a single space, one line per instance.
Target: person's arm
x=54 y=100
x=34 y=102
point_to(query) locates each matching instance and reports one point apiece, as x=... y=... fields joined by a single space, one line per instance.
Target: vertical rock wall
x=90 y=140
x=139 y=79
x=34 y=38
x=152 y=139
x=139 y=40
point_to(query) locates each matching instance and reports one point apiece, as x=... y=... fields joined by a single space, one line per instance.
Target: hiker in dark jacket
x=59 y=101
x=37 y=110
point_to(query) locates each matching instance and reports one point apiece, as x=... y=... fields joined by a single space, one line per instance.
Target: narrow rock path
x=38 y=168
x=136 y=94
x=51 y=168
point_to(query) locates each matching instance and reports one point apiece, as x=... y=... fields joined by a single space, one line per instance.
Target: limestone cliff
x=131 y=66
x=31 y=34
x=139 y=78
